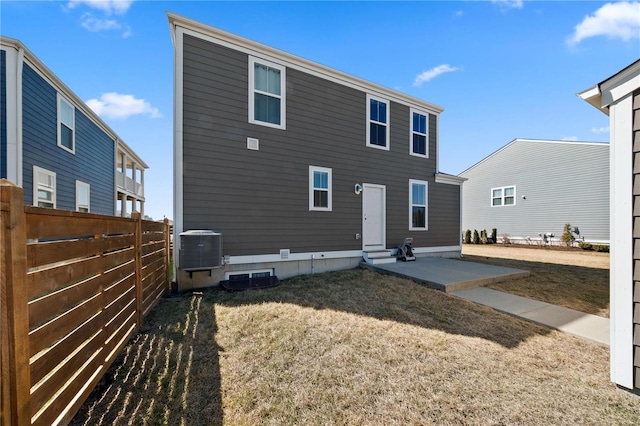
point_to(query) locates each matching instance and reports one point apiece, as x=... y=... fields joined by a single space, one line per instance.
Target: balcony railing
x=128 y=185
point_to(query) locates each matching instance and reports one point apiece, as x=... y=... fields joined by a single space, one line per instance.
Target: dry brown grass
x=352 y=348
x=574 y=279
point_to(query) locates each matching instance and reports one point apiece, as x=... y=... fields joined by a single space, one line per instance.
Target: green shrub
x=585 y=246
x=567 y=236
x=476 y=237
x=483 y=236
x=494 y=235
x=600 y=248
x=467 y=236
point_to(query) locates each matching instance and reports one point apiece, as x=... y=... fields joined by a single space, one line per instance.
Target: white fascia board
x=13 y=109
x=235 y=42
x=594 y=97
x=450 y=179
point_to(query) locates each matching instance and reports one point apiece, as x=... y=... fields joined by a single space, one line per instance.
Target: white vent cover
x=200 y=249
x=253 y=144
x=284 y=253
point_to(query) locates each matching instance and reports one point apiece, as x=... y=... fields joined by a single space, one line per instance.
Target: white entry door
x=373 y=217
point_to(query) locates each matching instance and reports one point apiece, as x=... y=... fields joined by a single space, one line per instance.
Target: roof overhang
x=614 y=88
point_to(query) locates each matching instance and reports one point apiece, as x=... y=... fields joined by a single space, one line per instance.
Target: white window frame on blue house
x=378 y=122
x=416 y=203
x=47 y=187
x=313 y=188
x=82 y=206
x=61 y=102
x=253 y=91
x=413 y=132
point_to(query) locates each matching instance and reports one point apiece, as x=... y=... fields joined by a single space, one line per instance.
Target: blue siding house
x=56 y=148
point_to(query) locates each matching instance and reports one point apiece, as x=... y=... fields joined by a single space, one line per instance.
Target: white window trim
x=79 y=185
x=330 y=188
x=36 y=184
x=411 y=132
x=59 y=121
x=227 y=275
x=502 y=197
x=283 y=93
x=369 y=121
x=426 y=206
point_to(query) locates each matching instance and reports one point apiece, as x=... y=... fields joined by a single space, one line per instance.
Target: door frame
x=383 y=215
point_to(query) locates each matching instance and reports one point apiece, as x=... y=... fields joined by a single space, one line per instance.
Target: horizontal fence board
x=151 y=301
x=152 y=226
x=51 y=223
x=152 y=283
x=151 y=261
x=45 y=253
x=48 y=306
x=158 y=246
x=151 y=237
x=48 y=280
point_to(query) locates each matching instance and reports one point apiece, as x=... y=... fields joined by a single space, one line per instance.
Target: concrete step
x=378 y=257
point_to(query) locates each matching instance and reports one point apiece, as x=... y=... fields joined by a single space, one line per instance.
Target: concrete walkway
x=586 y=326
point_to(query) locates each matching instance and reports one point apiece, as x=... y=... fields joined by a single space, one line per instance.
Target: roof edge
x=176 y=20
x=62 y=87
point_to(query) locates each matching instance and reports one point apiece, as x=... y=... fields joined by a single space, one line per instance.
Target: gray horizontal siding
x=3 y=115
x=94 y=159
x=562 y=182
x=259 y=199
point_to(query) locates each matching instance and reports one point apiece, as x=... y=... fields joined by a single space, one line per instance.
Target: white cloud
x=509 y=4
x=459 y=13
x=570 y=138
x=94 y=24
x=600 y=129
x=432 y=73
x=115 y=105
x=108 y=6
x=614 y=20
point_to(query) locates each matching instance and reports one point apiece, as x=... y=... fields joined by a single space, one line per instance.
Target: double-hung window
x=267 y=87
x=66 y=125
x=320 y=188
x=377 y=123
x=83 y=195
x=418 y=197
x=44 y=188
x=419 y=138
x=504 y=196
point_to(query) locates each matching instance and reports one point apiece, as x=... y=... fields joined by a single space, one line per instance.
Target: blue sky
x=501 y=69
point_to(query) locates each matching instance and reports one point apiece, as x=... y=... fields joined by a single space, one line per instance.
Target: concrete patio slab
x=448 y=274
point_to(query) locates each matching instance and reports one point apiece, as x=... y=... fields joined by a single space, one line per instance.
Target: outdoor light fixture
x=357 y=189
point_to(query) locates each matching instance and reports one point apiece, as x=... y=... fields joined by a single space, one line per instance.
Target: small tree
x=476 y=237
x=467 y=236
x=494 y=235
x=483 y=236
x=567 y=236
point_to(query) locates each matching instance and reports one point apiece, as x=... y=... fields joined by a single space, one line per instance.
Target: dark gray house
x=531 y=187
x=300 y=167
x=55 y=147
x=619 y=97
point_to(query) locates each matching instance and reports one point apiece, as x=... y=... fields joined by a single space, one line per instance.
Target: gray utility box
x=200 y=250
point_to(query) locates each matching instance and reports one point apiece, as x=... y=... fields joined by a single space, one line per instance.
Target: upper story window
x=66 y=125
x=377 y=122
x=83 y=195
x=44 y=188
x=320 y=188
x=419 y=138
x=418 y=196
x=267 y=101
x=505 y=196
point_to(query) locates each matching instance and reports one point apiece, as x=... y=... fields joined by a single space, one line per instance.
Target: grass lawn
x=581 y=283
x=352 y=347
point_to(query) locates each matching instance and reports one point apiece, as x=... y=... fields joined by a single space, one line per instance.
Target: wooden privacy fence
x=74 y=287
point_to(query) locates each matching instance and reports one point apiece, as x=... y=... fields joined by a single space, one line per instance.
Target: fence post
x=167 y=256
x=138 y=253
x=15 y=383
